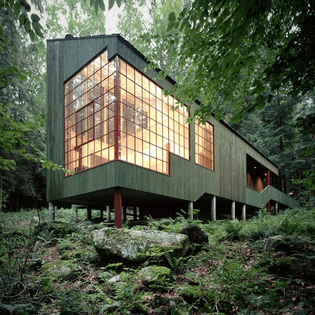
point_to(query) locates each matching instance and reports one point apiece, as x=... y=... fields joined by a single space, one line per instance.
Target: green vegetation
x=232 y=274
x=283 y=129
x=55 y=269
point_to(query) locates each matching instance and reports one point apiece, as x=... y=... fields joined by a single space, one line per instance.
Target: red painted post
x=117 y=206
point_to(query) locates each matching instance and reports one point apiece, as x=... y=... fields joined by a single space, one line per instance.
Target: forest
x=251 y=65
x=277 y=122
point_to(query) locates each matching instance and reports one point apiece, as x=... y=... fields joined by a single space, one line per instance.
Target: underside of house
x=131 y=153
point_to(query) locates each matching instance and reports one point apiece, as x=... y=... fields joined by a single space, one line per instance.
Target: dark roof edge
x=121 y=39
x=136 y=51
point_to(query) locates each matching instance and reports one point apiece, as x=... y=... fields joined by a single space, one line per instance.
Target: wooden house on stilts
x=110 y=124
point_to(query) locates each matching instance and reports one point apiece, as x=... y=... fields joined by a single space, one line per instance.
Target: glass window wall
x=149 y=128
x=89 y=115
x=112 y=111
x=204 y=145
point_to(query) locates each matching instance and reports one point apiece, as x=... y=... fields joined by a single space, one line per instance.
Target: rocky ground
x=58 y=271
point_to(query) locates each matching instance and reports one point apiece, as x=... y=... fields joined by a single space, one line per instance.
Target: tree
x=150 y=17
x=305 y=123
x=11 y=130
x=78 y=19
x=234 y=50
x=22 y=136
x=272 y=130
x=22 y=98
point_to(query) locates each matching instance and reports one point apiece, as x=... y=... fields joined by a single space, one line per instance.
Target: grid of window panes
x=149 y=129
x=89 y=115
x=204 y=145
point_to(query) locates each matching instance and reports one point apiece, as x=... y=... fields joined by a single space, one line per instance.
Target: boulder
x=273 y=242
x=63 y=270
x=195 y=235
x=114 y=279
x=289 y=244
x=132 y=246
x=154 y=273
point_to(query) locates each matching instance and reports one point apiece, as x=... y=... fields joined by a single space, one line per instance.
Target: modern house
x=110 y=124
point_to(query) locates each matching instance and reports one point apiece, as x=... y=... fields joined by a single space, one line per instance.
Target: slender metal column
x=51 y=211
x=89 y=213
x=76 y=216
x=233 y=211
x=135 y=213
x=190 y=210
x=118 y=207
x=108 y=213
x=214 y=208
x=124 y=213
x=244 y=212
x=139 y=213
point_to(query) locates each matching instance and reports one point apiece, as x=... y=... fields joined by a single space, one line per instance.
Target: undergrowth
x=232 y=274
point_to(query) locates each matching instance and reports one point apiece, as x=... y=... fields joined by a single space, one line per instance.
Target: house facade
x=109 y=123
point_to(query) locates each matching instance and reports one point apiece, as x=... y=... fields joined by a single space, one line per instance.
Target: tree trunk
x=1 y=192
x=312 y=192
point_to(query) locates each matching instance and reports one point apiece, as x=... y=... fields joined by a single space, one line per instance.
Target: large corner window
x=114 y=112
x=204 y=145
x=89 y=115
x=149 y=128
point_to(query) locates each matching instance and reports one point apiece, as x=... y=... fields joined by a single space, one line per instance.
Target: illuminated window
x=149 y=129
x=89 y=115
x=118 y=113
x=204 y=145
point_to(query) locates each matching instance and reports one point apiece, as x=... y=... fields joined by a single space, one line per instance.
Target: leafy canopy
x=15 y=128
x=240 y=53
x=235 y=50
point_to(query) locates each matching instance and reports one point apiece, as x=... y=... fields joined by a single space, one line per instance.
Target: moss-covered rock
x=154 y=273
x=61 y=270
x=134 y=247
x=196 y=294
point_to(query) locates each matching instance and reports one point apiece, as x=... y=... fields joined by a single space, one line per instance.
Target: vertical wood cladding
x=184 y=179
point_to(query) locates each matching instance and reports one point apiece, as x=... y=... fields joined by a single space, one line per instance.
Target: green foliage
x=21 y=10
x=22 y=107
x=128 y=295
x=81 y=19
x=175 y=263
x=138 y=17
x=70 y=303
x=233 y=229
x=225 y=62
x=172 y=225
x=99 y=4
x=290 y=222
x=224 y=277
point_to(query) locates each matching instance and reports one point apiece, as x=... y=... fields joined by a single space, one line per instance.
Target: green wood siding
x=187 y=180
